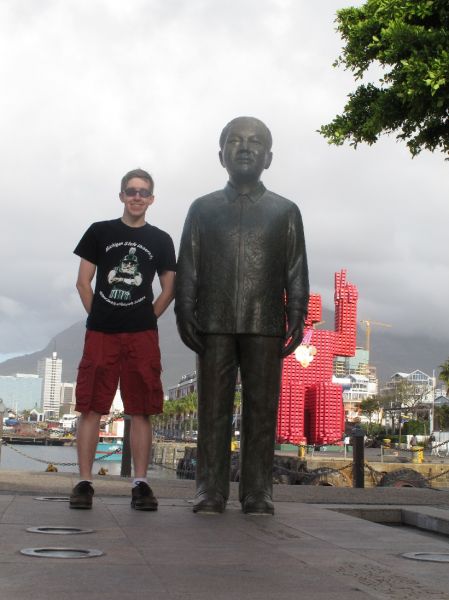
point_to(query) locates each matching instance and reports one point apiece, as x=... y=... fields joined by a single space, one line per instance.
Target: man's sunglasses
x=134 y=191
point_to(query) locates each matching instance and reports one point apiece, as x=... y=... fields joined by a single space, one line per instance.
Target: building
x=50 y=370
x=187 y=385
x=417 y=386
x=358 y=378
x=67 y=399
x=20 y=392
x=352 y=365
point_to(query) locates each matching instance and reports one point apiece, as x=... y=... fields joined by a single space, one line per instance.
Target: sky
x=94 y=88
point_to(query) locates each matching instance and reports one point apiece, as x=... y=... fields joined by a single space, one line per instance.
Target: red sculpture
x=310 y=405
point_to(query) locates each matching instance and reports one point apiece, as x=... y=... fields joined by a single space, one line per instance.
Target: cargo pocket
x=154 y=396
x=85 y=383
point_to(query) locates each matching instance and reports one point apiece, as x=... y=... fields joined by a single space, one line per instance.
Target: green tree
x=444 y=374
x=442 y=418
x=369 y=407
x=190 y=409
x=409 y=41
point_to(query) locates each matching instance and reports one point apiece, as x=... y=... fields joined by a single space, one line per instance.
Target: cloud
x=96 y=87
x=9 y=308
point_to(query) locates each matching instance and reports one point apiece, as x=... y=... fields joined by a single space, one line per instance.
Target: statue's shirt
x=240 y=256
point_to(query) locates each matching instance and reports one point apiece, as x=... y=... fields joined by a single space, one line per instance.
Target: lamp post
x=2 y=412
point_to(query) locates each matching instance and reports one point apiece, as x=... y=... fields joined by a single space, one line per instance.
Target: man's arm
x=297 y=287
x=167 y=281
x=187 y=285
x=86 y=273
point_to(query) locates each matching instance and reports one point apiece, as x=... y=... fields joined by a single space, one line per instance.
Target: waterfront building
x=419 y=386
x=358 y=378
x=356 y=388
x=36 y=416
x=21 y=391
x=50 y=369
x=186 y=385
x=352 y=365
x=67 y=399
x=409 y=395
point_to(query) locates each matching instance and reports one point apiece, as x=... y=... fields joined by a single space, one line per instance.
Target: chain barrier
x=375 y=475
x=56 y=464
x=437 y=475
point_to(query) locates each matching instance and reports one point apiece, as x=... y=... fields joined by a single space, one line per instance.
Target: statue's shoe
x=209 y=503
x=258 y=504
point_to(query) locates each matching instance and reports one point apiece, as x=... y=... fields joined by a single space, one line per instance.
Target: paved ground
x=307 y=550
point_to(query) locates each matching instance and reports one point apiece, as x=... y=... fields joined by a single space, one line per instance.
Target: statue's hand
x=188 y=330
x=294 y=334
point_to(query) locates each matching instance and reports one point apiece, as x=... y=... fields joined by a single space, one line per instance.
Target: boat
x=109 y=450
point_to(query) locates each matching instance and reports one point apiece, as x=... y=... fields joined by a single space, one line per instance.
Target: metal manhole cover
x=52 y=498
x=62 y=552
x=442 y=557
x=59 y=530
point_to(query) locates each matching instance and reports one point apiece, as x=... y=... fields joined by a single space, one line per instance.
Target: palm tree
x=191 y=408
x=444 y=374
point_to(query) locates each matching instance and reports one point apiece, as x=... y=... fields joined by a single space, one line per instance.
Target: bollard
x=301 y=451
x=417 y=455
x=358 y=457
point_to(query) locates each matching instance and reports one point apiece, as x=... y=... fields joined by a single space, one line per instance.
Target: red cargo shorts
x=133 y=359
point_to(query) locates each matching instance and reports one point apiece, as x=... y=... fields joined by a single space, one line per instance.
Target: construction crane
x=368 y=323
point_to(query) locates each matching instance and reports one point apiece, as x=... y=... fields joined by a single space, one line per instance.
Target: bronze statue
x=241 y=296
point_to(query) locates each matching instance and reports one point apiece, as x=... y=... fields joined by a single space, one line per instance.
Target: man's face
x=135 y=204
x=245 y=153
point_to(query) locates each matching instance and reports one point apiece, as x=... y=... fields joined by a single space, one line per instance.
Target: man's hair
x=224 y=133
x=141 y=174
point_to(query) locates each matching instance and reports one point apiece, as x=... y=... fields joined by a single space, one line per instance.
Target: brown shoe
x=81 y=496
x=143 y=497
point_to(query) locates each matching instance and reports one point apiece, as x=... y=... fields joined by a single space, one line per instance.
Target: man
x=242 y=294
x=121 y=340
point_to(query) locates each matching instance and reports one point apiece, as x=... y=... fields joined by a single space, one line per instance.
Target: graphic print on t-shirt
x=125 y=277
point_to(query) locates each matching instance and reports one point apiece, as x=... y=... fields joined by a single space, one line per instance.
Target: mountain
x=389 y=352
x=176 y=358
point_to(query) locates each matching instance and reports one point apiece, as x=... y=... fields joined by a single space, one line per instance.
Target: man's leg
x=260 y=368
x=142 y=497
x=217 y=374
x=141 y=439
x=96 y=383
x=86 y=442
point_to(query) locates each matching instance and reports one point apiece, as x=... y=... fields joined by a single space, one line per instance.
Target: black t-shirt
x=127 y=259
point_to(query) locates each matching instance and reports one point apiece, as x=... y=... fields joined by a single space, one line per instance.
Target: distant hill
x=389 y=352
x=176 y=358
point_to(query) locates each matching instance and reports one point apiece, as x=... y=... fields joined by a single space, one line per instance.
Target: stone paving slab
x=304 y=551
x=307 y=550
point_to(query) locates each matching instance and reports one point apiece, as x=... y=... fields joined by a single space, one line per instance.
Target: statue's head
x=245 y=149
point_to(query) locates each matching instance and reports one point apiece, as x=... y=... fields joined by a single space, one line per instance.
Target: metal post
x=2 y=412
x=125 y=468
x=358 y=457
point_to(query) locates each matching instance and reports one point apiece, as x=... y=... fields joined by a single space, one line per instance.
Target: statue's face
x=245 y=153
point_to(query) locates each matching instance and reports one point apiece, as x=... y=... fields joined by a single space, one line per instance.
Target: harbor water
x=26 y=457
